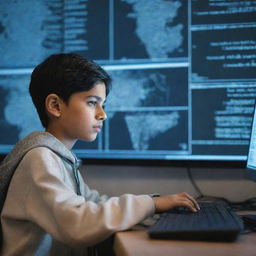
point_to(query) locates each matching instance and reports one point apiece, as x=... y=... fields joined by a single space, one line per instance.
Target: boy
x=49 y=210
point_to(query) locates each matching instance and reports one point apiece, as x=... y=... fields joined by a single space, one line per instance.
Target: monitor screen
x=184 y=80
x=251 y=160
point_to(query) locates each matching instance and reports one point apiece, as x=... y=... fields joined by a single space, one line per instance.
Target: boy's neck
x=68 y=143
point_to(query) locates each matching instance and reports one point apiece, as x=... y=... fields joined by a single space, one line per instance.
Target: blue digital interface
x=184 y=80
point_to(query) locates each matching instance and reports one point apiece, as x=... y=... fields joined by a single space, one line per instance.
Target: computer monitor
x=184 y=80
x=251 y=160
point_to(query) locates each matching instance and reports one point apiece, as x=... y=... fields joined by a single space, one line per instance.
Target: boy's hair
x=64 y=75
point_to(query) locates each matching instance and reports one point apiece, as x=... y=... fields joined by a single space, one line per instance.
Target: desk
x=137 y=243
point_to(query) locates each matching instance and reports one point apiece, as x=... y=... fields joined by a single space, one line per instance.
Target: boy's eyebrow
x=99 y=99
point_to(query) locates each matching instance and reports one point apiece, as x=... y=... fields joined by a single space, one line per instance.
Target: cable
x=203 y=197
x=206 y=198
x=247 y=205
x=194 y=183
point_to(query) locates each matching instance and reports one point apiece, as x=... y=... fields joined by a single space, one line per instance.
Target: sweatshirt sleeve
x=70 y=218
x=91 y=194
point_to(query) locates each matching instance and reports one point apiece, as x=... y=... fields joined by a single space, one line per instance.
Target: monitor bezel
x=250 y=173
x=225 y=164
x=168 y=163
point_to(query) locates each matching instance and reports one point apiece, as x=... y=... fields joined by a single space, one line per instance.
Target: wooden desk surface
x=137 y=243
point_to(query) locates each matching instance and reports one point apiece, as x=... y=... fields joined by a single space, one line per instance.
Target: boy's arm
x=70 y=218
x=91 y=194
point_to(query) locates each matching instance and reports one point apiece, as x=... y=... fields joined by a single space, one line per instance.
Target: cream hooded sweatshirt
x=49 y=210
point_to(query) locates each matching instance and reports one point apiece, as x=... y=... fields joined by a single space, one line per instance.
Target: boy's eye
x=92 y=103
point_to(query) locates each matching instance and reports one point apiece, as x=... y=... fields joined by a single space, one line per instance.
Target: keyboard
x=213 y=222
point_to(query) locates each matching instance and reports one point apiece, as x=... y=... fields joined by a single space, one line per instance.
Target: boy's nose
x=101 y=115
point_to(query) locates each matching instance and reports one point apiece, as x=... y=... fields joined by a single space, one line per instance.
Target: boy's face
x=83 y=116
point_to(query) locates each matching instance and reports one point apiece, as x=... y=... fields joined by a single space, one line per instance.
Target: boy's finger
x=193 y=201
x=190 y=205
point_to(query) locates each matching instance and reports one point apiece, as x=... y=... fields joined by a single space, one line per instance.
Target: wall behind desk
x=117 y=180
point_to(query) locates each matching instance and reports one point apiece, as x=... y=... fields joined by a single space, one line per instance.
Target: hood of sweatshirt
x=33 y=140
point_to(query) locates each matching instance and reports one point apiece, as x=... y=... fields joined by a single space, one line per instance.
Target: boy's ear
x=53 y=104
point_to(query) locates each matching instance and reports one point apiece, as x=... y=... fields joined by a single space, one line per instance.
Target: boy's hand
x=165 y=203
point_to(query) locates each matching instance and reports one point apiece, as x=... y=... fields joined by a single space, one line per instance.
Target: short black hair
x=64 y=74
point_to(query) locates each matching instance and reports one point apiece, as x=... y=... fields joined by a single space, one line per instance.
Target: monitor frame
x=167 y=163
x=251 y=170
x=225 y=164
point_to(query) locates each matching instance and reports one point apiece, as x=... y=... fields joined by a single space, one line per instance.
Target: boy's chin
x=90 y=139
